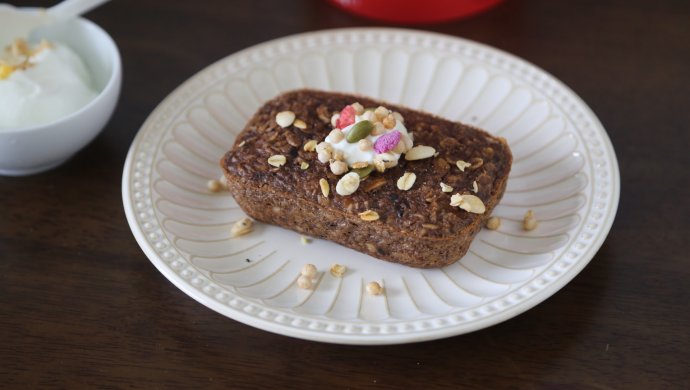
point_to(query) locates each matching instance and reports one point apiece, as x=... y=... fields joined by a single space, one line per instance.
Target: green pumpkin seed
x=359 y=131
x=363 y=172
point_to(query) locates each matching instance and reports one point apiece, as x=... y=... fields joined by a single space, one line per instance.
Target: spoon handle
x=72 y=8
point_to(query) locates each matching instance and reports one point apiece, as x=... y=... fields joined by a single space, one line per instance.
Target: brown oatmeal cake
x=417 y=227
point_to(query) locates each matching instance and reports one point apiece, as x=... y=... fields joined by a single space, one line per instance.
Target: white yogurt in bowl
x=41 y=84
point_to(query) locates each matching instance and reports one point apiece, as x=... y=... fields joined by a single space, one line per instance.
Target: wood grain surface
x=82 y=307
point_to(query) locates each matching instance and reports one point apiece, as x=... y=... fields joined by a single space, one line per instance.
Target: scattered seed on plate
x=338 y=270
x=529 y=222
x=304 y=282
x=214 y=185
x=309 y=270
x=304 y=240
x=374 y=288
x=493 y=223
x=242 y=227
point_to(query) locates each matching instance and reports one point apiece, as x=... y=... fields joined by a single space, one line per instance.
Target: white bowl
x=28 y=150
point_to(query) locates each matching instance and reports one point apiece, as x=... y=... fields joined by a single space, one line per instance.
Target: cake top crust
x=422 y=210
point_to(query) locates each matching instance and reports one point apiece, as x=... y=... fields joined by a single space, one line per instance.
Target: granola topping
x=369 y=133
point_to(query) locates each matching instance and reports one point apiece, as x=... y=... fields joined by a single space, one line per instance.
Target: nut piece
x=325 y=187
x=389 y=121
x=365 y=144
x=304 y=282
x=336 y=136
x=493 y=223
x=304 y=240
x=381 y=112
x=398 y=117
x=242 y=227
x=360 y=164
x=304 y=165
x=475 y=187
x=374 y=288
x=347 y=184
x=359 y=109
x=325 y=151
x=285 y=118
x=469 y=203
x=214 y=185
x=379 y=164
x=379 y=129
x=407 y=139
x=419 y=152
x=324 y=157
x=446 y=188
x=300 y=124
x=324 y=147
x=462 y=165
x=334 y=119
x=338 y=167
x=400 y=148
x=309 y=270
x=368 y=115
x=310 y=145
x=338 y=270
x=277 y=160
x=338 y=155
x=369 y=215
x=529 y=222
x=406 y=181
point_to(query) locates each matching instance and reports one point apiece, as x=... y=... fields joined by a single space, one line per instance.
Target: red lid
x=415 y=11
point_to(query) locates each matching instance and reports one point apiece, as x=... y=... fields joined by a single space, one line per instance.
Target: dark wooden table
x=81 y=305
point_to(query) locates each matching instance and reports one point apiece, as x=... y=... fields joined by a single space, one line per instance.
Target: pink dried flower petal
x=347 y=117
x=387 y=142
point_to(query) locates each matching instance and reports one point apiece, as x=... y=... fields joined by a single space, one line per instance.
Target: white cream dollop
x=352 y=153
x=54 y=85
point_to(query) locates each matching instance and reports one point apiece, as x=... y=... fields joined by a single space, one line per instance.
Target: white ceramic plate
x=565 y=170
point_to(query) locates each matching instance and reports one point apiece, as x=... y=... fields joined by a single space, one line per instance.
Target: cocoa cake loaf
x=395 y=183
